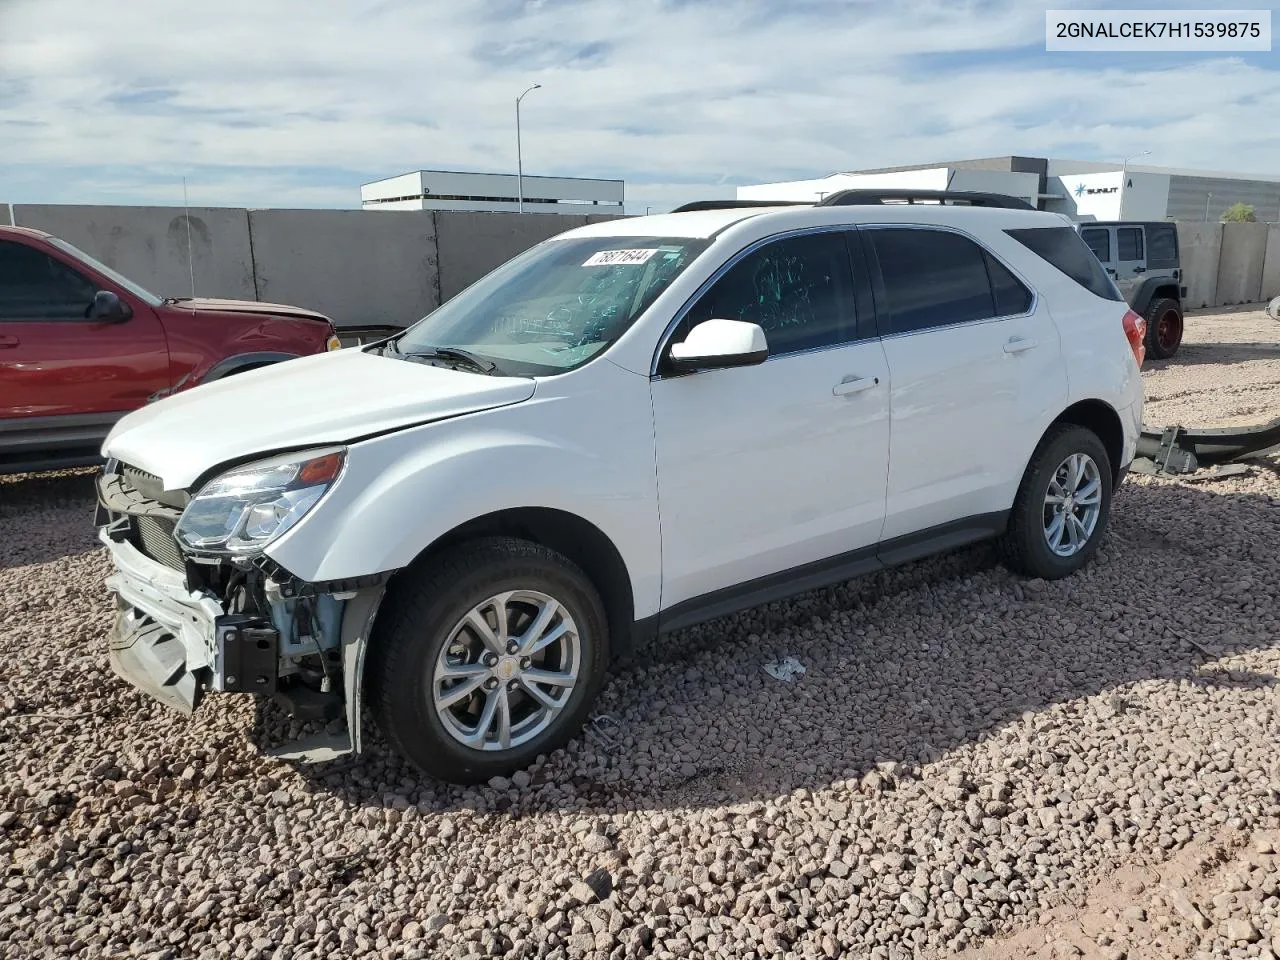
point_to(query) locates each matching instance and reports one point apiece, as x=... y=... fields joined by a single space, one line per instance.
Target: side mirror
x=719 y=343
x=107 y=307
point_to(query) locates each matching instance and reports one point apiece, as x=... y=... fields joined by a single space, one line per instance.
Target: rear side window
x=1099 y=242
x=1063 y=248
x=1129 y=243
x=931 y=278
x=1011 y=296
x=1162 y=246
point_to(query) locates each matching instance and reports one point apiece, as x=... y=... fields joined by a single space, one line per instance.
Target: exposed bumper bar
x=162 y=639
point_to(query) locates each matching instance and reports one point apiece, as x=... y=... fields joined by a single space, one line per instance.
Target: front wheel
x=1062 y=507
x=486 y=657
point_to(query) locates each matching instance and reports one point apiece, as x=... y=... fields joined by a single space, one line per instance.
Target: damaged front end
x=193 y=622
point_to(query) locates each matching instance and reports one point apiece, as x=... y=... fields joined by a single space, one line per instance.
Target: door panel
x=762 y=469
x=54 y=361
x=970 y=389
x=765 y=468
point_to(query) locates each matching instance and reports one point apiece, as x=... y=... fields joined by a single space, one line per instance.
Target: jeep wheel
x=486 y=657
x=1164 y=329
x=1062 y=506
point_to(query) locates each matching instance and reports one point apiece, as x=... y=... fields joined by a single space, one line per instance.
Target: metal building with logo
x=1082 y=189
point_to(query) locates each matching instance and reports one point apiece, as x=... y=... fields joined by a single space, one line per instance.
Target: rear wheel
x=1062 y=506
x=1164 y=328
x=488 y=656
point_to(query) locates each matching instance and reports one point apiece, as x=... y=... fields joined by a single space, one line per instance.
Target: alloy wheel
x=1072 y=504
x=508 y=669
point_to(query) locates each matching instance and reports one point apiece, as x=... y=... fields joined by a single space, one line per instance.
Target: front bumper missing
x=176 y=645
x=163 y=637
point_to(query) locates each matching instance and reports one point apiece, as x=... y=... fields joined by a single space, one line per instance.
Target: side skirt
x=823 y=573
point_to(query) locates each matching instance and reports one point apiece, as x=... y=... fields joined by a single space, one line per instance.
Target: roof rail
x=850 y=198
x=734 y=204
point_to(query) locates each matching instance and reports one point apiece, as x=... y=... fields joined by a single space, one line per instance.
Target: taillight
x=1135 y=329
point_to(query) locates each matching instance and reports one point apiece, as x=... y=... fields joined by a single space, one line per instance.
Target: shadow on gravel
x=903 y=668
x=34 y=513
x=1193 y=354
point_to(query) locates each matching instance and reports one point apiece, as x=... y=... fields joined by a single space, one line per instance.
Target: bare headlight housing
x=243 y=510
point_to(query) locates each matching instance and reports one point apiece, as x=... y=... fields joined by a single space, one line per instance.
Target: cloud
x=298 y=101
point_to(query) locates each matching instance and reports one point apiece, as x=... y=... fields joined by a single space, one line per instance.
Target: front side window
x=139 y=291
x=798 y=289
x=555 y=306
x=35 y=286
x=931 y=278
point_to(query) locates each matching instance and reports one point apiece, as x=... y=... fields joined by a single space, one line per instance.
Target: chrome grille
x=156 y=536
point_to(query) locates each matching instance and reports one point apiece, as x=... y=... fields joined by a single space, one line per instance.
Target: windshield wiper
x=453 y=354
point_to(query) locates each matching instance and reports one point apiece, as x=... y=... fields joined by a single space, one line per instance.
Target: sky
x=295 y=103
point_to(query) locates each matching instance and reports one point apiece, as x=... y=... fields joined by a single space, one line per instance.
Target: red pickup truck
x=81 y=345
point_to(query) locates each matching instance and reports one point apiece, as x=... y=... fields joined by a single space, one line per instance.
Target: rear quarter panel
x=1099 y=362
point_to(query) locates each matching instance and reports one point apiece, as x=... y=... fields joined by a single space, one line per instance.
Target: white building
x=1081 y=189
x=493 y=192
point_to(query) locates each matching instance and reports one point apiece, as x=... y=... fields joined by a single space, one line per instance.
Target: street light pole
x=519 y=157
x=1124 y=170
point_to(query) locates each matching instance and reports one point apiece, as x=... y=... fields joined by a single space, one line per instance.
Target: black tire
x=415 y=622
x=1164 y=328
x=1024 y=545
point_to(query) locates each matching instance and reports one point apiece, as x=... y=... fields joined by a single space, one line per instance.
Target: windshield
x=557 y=305
x=140 y=292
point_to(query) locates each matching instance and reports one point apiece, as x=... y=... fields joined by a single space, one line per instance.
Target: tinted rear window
x=1162 y=246
x=1012 y=298
x=931 y=278
x=1063 y=247
x=1129 y=243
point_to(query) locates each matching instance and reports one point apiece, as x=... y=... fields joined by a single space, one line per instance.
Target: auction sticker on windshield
x=608 y=257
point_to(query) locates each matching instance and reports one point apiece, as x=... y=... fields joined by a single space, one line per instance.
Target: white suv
x=630 y=428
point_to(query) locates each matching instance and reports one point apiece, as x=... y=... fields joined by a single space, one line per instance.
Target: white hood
x=323 y=399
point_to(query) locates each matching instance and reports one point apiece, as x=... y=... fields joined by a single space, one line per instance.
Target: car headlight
x=333 y=343
x=243 y=510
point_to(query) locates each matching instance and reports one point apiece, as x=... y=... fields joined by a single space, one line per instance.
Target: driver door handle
x=7 y=341
x=851 y=385
x=1018 y=345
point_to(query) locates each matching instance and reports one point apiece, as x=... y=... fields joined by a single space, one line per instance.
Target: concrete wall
x=1200 y=250
x=472 y=244
x=1271 y=265
x=1244 y=248
x=149 y=244
x=357 y=267
x=366 y=268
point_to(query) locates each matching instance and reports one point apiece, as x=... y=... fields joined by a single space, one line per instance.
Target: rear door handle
x=7 y=341
x=1139 y=269
x=851 y=385
x=1018 y=345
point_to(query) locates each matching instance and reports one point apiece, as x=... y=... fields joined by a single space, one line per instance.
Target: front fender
x=402 y=492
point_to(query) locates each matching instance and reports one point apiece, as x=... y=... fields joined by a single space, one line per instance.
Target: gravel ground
x=971 y=762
